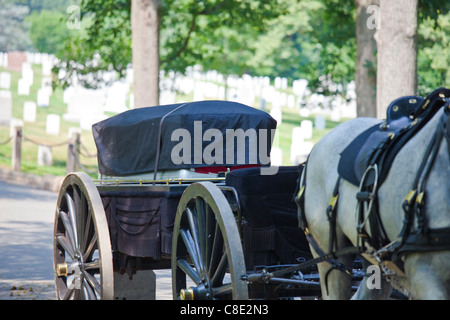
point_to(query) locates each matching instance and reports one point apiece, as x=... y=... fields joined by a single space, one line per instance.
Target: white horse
x=426 y=274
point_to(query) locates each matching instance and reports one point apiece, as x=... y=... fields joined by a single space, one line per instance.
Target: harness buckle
x=410 y=197
x=300 y=193
x=419 y=198
x=333 y=201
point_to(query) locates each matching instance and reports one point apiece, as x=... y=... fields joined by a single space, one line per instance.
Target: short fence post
x=73 y=151
x=16 y=133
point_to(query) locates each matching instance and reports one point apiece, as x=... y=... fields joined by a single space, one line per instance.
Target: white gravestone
x=5 y=107
x=47 y=66
x=27 y=73
x=45 y=157
x=291 y=101
x=299 y=147
x=275 y=113
x=43 y=98
x=29 y=111
x=307 y=127
x=53 y=123
x=5 y=80
x=320 y=122
x=23 y=87
x=46 y=84
x=296 y=142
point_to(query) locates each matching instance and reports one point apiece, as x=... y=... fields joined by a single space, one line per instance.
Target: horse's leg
x=429 y=275
x=335 y=283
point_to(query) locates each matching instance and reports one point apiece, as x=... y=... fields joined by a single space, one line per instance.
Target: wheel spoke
x=225 y=289
x=189 y=243
x=93 y=282
x=80 y=216
x=200 y=211
x=217 y=277
x=68 y=228
x=92 y=265
x=73 y=219
x=187 y=269
x=92 y=245
x=87 y=229
x=87 y=291
x=195 y=236
x=82 y=208
x=210 y=231
x=69 y=293
x=62 y=241
x=217 y=248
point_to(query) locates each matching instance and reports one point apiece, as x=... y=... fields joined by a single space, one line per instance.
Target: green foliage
x=313 y=40
x=309 y=39
x=218 y=35
x=192 y=32
x=102 y=43
x=48 y=30
x=433 y=57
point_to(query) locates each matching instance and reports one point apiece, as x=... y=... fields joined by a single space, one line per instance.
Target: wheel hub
x=73 y=270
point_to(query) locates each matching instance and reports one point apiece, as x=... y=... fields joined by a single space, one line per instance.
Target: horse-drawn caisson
x=189 y=187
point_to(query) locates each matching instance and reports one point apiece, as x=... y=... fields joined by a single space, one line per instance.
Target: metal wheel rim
x=204 y=219
x=81 y=243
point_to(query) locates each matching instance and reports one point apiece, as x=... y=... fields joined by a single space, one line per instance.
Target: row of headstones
x=281 y=83
x=246 y=93
x=246 y=89
x=14 y=60
x=25 y=82
x=29 y=113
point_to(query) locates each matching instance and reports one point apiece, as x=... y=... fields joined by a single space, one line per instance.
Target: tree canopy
x=309 y=39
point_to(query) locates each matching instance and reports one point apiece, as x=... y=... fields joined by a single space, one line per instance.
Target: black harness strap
x=421 y=238
x=332 y=214
x=424 y=238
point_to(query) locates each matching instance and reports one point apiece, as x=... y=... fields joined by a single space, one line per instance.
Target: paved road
x=26 y=230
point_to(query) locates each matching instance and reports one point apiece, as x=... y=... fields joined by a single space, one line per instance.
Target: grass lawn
x=36 y=131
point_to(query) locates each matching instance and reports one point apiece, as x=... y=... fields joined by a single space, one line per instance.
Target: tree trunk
x=145 y=18
x=397 y=52
x=367 y=14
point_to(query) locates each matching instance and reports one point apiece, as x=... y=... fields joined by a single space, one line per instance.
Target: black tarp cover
x=127 y=143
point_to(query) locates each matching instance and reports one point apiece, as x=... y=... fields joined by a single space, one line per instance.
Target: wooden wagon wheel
x=82 y=257
x=206 y=247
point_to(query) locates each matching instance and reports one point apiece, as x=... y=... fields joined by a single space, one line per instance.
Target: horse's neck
x=424 y=137
x=405 y=169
